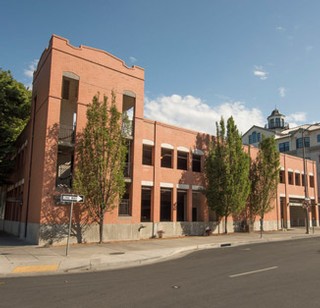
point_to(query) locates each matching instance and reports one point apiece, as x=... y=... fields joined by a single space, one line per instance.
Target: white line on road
x=254 y=272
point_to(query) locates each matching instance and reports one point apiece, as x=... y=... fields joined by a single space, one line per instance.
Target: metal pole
x=69 y=230
x=306 y=194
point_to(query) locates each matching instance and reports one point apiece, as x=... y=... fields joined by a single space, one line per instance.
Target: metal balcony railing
x=66 y=134
x=127 y=170
x=124 y=207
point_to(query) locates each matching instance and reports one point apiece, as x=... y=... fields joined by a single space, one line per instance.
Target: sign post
x=69 y=230
x=67 y=198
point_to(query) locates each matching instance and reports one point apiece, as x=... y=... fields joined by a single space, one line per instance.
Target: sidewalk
x=17 y=258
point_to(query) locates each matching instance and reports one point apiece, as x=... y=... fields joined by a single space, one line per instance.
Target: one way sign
x=71 y=198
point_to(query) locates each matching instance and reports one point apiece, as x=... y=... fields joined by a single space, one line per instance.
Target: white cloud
x=260 y=72
x=133 y=59
x=282 y=91
x=191 y=112
x=280 y=29
x=31 y=68
x=297 y=117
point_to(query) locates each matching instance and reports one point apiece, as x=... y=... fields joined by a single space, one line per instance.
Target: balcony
x=66 y=135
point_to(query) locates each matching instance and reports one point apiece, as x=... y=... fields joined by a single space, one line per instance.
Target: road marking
x=254 y=272
x=36 y=268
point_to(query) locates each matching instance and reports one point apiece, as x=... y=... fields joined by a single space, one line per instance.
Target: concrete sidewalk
x=17 y=258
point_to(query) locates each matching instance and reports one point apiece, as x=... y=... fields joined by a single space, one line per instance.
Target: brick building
x=164 y=164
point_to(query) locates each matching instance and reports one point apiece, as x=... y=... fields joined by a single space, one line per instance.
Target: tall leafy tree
x=101 y=152
x=264 y=176
x=227 y=172
x=14 y=114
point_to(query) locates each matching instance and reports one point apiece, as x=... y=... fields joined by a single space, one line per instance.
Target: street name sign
x=67 y=198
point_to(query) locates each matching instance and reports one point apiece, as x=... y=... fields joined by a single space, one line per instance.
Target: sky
x=203 y=59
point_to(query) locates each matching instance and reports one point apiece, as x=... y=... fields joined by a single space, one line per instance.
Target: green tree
x=100 y=160
x=227 y=172
x=14 y=114
x=264 y=177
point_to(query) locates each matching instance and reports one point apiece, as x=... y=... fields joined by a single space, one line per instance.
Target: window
x=297 y=179
x=181 y=205
x=197 y=213
x=147 y=155
x=254 y=137
x=277 y=122
x=65 y=88
x=165 y=204
x=284 y=147
x=318 y=138
x=271 y=123
x=282 y=177
x=182 y=162
x=146 y=204
x=299 y=143
x=290 y=178
x=166 y=158
x=196 y=163
x=311 y=180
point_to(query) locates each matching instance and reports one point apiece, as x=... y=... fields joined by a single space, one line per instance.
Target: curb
x=102 y=262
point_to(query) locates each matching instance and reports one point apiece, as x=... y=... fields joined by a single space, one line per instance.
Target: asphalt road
x=280 y=274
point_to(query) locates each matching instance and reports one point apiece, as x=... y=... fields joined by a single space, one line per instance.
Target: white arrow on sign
x=72 y=198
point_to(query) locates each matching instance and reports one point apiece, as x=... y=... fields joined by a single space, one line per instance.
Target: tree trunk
x=101 y=229
x=225 y=224
x=261 y=226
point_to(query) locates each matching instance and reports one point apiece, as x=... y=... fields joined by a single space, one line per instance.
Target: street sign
x=71 y=198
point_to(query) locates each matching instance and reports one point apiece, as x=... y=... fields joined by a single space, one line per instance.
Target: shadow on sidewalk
x=9 y=240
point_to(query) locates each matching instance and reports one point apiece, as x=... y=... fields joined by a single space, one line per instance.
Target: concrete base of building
x=58 y=234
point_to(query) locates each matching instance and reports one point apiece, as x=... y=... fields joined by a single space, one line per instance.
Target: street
x=279 y=274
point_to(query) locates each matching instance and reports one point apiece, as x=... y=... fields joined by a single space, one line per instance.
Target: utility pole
x=306 y=202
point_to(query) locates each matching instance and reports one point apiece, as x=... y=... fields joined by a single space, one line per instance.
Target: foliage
x=227 y=172
x=264 y=177
x=14 y=114
x=101 y=152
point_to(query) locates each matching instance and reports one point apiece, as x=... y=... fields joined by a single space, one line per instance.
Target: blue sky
x=202 y=59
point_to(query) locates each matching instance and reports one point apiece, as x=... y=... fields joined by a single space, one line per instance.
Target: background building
x=164 y=166
x=301 y=141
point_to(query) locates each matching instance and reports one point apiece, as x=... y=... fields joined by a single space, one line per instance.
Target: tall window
x=196 y=163
x=282 y=177
x=182 y=160
x=166 y=158
x=146 y=204
x=284 y=147
x=181 y=205
x=299 y=143
x=147 y=155
x=297 y=179
x=65 y=88
x=311 y=181
x=254 y=137
x=165 y=204
x=318 y=138
x=290 y=178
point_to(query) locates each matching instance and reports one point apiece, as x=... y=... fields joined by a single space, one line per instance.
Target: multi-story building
x=164 y=178
x=301 y=141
